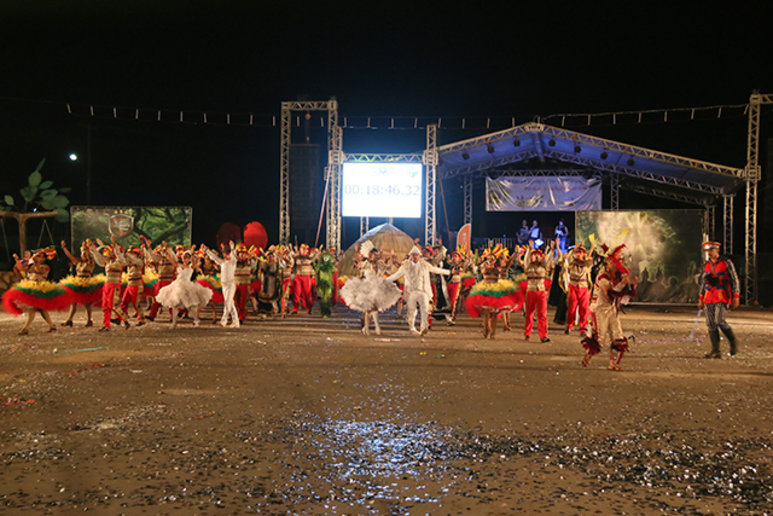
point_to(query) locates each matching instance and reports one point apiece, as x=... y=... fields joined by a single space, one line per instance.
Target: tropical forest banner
x=544 y=193
x=157 y=223
x=663 y=248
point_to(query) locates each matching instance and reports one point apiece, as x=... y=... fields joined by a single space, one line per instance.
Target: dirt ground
x=308 y=416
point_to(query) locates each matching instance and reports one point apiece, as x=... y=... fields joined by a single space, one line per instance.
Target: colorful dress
x=84 y=288
x=36 y=292
x=493 y=294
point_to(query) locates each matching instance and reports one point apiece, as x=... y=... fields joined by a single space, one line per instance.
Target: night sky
x=396 y=59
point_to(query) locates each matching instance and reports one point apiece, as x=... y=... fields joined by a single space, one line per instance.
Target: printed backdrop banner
x=157 y=223
x=662 y=248
x=553 y=193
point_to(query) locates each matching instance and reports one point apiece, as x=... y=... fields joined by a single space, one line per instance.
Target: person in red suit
x=718 y=290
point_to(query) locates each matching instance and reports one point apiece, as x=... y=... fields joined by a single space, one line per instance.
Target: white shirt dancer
x=418 y=289
x=228 y=282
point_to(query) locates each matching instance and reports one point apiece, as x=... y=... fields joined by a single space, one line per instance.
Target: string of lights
x=404 y=122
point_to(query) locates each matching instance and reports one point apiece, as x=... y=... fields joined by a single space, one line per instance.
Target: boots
x=731 y=339
x=714 y=337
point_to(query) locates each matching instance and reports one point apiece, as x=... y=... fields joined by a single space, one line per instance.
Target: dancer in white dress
x=182 y=292
x=371 y=293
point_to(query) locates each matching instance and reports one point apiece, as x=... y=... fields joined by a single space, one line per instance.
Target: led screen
x=381 y=190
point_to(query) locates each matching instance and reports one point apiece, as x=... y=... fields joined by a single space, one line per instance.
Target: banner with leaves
x=543 y=193
x=662 y=248
x=157 y=223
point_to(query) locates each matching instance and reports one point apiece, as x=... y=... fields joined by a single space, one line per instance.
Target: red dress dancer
x=35 y=293
x=537 y=271
x=492 y=295
x=305 y=280
x=84 y=288
x=135 y=283
x=578 y=265
x=112 y=259
x=612 y=288
x=165 y=269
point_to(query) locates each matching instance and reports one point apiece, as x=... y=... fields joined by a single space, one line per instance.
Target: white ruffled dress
x=371 y=292
x=183 y=293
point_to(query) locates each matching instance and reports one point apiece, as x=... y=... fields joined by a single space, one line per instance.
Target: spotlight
x=604 y=155
x=577 y=149
x=465 y=155
x=516 y=142
x=73 y=157
x=490 y=148
x=552 y=142
x=630 y=161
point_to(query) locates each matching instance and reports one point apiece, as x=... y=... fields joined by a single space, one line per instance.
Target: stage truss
x=694 y=192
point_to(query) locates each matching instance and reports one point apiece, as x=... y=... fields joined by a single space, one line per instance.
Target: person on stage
x=612 y=289
x=371 y=293
x=227 y=266
x=418 y=288
x=718 y=291
x=35 y=294
x=84 y=288
x=578 y=263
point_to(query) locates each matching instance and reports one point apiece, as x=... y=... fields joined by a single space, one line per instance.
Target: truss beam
x=674 y=195
x=727 y=233
x=468 y=199
x=384 y=158
x=333 y=229
x=430 y=164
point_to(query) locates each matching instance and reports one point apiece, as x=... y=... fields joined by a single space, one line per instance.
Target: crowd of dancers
x=492 y=285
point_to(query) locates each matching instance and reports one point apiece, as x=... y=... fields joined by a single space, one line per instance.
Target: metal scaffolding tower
x=333 y=170
x=468 y=199
x=727 y=215
x=430 y=164
x=753 y=175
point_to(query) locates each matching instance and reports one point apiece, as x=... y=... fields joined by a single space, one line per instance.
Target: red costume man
x=718 y=291
x=112 y=259
x=165 y=270
x=578 y=265
x=134 y=266
x=537 y=270
x=243 y=277
x=305 y=281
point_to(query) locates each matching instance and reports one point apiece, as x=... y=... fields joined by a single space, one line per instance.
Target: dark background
x=396 y=59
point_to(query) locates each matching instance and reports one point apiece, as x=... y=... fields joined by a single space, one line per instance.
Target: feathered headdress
x=49 y=253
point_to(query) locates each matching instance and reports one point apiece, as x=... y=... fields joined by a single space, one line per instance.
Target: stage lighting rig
x=630 y=161
x=552 y=142
x=465 y=155
x=604 y=154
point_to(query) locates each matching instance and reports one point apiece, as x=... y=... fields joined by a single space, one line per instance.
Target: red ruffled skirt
x=84 y=291
x=500 y=296
x=45 y=295
x=213 y=283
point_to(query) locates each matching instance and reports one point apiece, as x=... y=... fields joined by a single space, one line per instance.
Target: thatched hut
x=386 y=238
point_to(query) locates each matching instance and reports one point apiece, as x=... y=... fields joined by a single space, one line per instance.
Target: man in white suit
x=418 y=289
x=228 y=282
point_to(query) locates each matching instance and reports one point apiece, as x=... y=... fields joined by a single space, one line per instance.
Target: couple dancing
x=373 y=293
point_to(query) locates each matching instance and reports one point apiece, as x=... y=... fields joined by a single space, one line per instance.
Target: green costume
x=324 y=267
